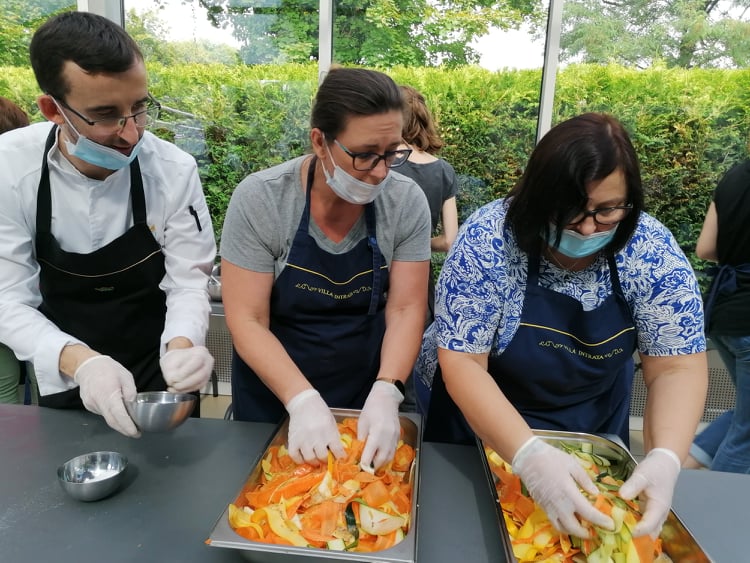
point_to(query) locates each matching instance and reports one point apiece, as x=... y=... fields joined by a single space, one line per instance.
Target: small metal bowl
x=92 y=476
x=160 y=411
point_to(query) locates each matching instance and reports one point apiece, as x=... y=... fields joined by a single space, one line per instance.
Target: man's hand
x=104 y=384
x=186 y=369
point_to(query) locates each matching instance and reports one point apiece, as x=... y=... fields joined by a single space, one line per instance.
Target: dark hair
x=11 y=116
x=419 y=128
x=567 y=159
x=93 y=42
x=348 y=92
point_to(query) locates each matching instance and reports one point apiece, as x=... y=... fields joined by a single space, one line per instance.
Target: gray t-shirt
x=267 y=206
x=437 y=180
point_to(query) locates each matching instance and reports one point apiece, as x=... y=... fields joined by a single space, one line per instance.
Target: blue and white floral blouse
x=480 y=292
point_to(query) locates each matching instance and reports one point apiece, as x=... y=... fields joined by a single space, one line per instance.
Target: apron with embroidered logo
x=328 y=311
x=565 y=368
x=109 y=298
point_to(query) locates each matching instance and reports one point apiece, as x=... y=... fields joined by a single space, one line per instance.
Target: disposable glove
x=312 y=429
x=104 y=384
x=186 y=369
x=378 y=424
x=653 y=481
x=552 y=478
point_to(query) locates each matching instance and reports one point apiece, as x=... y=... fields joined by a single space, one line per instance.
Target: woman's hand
x=553 y=478
x=312 y=429
x=653 y=480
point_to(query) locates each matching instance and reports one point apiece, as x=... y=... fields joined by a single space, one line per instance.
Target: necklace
x=556 y=262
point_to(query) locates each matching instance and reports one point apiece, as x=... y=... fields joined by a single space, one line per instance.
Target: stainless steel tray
x=405 y=551
x=677 y=541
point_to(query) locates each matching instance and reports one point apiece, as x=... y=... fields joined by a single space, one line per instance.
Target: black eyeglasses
x=602 y=216
x=142 y=118
x=364 y=161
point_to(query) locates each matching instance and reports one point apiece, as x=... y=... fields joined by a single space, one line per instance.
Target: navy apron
x=328 y=311
x=724 y=283
x=565 y=368
x=110 y=298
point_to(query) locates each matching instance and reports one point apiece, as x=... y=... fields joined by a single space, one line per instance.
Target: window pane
x=229 y=93
x=673 y=73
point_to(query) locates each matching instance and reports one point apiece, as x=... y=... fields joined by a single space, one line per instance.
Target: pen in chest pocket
x=194 y=213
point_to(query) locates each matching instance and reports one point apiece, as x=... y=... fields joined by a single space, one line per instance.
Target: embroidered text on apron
x=564 y=369
x=110 y=298
x=328 y=311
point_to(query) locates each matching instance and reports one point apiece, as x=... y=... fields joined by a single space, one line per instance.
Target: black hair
x=348 y=92
x=93 y=42
x=567 y=159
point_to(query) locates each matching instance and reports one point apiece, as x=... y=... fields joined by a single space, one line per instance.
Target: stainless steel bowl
x=92 y=476
x=214 y=283
x=160 y=411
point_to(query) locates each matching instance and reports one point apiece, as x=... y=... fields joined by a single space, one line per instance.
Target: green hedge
x=689 y=126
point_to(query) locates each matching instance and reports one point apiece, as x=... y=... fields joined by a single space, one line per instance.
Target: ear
x=49 y=109
x=318 y=141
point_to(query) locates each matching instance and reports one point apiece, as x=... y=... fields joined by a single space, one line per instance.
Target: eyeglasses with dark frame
x=366 y=161
x=603 y=215
x=141 y=118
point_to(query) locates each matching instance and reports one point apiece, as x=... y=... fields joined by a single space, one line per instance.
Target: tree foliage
x=18 y=21
x=148 y=31
x=643 y=33
x=378 y=33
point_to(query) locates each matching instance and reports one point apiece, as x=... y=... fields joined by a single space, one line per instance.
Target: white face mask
x=349 y=188
x=97 y=154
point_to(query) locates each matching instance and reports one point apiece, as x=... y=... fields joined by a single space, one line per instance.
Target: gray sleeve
x=262 y=218
x=412 y=225
x=249 y=238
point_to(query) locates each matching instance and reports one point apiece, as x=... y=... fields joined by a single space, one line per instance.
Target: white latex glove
x=552 y=478
x=104 y=384
x=653 y=481
x=312 y=429
x=186 y=369
x=378 y=424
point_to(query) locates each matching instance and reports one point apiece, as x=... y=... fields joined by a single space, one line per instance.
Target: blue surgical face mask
x=97 y=154
x=575 y=245
x=349 y=188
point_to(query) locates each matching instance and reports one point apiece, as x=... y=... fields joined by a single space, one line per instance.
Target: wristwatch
x=397 y=382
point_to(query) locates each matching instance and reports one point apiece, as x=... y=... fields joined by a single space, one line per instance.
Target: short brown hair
x=419 y=127
x=11 y=116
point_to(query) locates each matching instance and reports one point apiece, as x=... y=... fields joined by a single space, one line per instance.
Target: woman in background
x=438 y=181
x=434 y=175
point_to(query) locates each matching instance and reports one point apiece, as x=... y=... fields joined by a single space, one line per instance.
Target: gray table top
x=179 y=483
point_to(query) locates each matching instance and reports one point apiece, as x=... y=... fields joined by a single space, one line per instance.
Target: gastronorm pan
x=405 y=551
x=677 y=541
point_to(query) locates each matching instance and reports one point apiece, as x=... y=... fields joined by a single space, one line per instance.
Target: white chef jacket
x=88 y=214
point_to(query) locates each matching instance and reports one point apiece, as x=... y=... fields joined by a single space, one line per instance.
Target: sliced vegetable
x=377 y=522
x=339 y=506
x=534 y=539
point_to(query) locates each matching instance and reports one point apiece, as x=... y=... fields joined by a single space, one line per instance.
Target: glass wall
x=236 y=78
x=676 y=74
x=18 y=19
